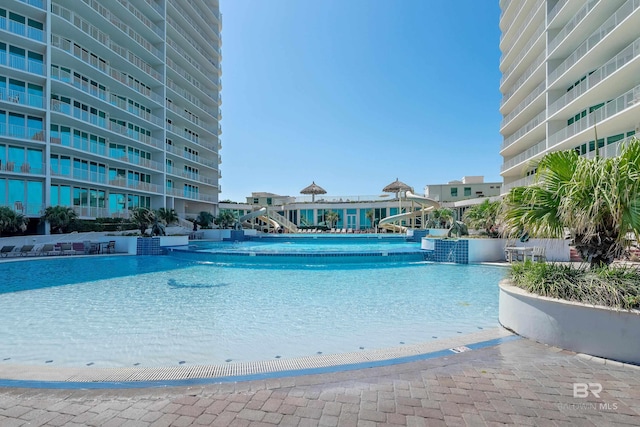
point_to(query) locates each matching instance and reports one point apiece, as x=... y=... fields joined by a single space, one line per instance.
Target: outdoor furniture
x=111 y=247
x=4 y=252
x=26 y=250
x=538 y=253
x=48 y=249
x=518 y=253
x=67 y=249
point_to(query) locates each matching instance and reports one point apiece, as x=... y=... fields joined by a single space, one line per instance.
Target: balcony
x=596 y=37
x=21 y=29
x=524 y=104
x=35 y=3
x=522 y=157
x=627 y=55
x=523 y=78
x=103 y=179
x=22 y=168
x=610 y=109
x=22 y=132
x=189 y=195
x=102 y=122
x=21 y=63
x=539 y=119
x=197 y=159
x=573 y=23
x=21 y=98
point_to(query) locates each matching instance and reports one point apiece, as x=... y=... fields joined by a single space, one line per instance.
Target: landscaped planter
x=595 y=330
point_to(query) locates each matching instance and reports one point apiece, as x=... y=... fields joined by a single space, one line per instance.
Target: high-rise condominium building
x=109 y=106
x=570 y=79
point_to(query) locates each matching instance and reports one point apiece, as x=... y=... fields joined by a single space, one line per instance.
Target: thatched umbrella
x=313 y=189
x=396 y=187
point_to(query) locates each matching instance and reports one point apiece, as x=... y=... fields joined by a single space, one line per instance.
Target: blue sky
x=353 y=94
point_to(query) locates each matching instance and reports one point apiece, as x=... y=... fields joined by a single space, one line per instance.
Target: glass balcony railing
x=627 y=55
x=573 y=23
x=22 y=98
x=21 y=29
x=22 y=63
x=624 y=101
x=529 y=153
x=22 y=132
x=537 y=120
x=607 y=27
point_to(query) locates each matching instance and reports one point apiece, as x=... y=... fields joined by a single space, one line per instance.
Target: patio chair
x=27 y=250
x=67 y=249
x=48 y=249
x=111 y=247
x=6 y=250
x=538 y=253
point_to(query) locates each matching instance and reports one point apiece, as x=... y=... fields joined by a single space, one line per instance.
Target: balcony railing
x=85 y=116
x=103 y=179
x=198 y=159
x=35 y=3
x=23 y=168
x=624 y=101
x=556 y=9
x=21 y=63
x=102 y=150
x=627 y=55
x=525 y=129
x=524 y=24
x=191 y=98
x=609 y=25
x=525 y=102
x=23 y=132
x=190 y=195
x=529 y=153
x=573 y=23
x=190 y=175
x=524 y=52
x=21 y=98
x=522 y=182
x=21 y=29
x=142 y=18
x=524 y=77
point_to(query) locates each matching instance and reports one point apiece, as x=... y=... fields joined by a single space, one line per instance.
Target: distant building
x=470 y=187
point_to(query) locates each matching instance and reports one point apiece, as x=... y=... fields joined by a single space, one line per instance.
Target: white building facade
x=105 y=109
x=570 y=80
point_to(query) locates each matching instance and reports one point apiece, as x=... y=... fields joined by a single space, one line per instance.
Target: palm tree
x=332 y=217
x=143 y=218
x=597 y=200
x=167 y=216
x=225 y=219
x=59 y=218
x=441 y=216
x=483 y=217
x=371 y=216
x=204 y=219
x=11 y=221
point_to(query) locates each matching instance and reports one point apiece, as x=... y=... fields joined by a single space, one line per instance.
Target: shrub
x=616 y=287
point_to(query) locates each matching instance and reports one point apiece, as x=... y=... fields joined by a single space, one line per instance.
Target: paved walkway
x=518 y=382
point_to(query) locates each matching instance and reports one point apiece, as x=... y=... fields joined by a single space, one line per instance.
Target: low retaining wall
x=594 y=330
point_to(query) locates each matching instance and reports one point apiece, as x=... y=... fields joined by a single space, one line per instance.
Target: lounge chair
x=67 y=249
x=26 y=250
x=48 y=249
x=6 y=250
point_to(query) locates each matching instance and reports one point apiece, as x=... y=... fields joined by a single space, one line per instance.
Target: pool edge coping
x=50 y=377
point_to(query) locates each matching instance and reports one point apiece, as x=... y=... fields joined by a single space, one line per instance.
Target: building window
x=467 y=191
x=454 y=192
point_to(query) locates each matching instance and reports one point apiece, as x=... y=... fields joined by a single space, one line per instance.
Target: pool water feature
x=317 y=249
x=170 y=311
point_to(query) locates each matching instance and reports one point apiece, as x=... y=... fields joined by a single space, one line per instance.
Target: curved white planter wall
x=598 y=331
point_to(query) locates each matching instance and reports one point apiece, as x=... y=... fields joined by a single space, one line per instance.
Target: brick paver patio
x=517 y=383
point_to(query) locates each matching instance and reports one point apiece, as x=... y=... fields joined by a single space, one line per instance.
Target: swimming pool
x=317 y=249
x=169 y=311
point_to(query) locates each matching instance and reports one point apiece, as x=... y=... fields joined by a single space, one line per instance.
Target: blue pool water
x=309 y=250
x=167 y=311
